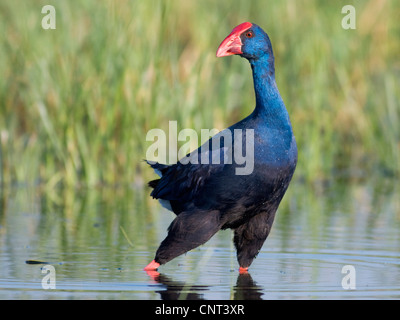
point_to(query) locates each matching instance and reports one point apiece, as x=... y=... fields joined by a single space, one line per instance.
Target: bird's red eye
x=249 y=34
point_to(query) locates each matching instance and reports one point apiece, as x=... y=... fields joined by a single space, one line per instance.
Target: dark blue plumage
x=210 y=197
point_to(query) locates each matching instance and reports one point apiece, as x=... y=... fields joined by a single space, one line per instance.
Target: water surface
x=99 y=240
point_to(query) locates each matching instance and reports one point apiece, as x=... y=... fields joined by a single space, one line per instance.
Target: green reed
x=77 y=102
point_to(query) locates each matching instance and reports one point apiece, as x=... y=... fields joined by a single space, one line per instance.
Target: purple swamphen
x=207 y=197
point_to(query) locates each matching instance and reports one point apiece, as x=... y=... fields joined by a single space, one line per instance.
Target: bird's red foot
x=243 y=270
x=151 y=270
x=152 y=266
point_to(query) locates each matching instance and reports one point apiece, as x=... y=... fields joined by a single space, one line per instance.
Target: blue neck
x=269 y=104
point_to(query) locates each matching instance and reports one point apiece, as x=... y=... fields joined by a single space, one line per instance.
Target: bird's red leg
x=243 y=270
x=152 y=266
x=151 y=270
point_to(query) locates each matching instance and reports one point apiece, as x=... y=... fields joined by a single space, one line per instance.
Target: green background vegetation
x=76 y=102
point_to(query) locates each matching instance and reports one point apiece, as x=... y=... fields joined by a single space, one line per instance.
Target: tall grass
x=77 y=102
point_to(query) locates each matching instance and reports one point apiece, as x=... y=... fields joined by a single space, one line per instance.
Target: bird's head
x=247 y=40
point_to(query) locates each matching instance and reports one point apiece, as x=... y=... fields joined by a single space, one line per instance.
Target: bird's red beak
x=232 y=43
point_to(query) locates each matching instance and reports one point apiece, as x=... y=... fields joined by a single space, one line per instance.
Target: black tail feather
x=153 y=183
x=158 y=166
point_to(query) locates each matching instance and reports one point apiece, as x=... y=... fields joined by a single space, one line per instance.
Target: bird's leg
x=152 y=266
x=243 y=270
x=188 y=231
x=250 y=237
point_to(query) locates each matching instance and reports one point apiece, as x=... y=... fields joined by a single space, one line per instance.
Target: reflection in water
x=317 y=231
x=245 y=289
x=177 y=290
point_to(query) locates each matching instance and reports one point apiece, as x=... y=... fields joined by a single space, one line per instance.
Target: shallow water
x=99 y=240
